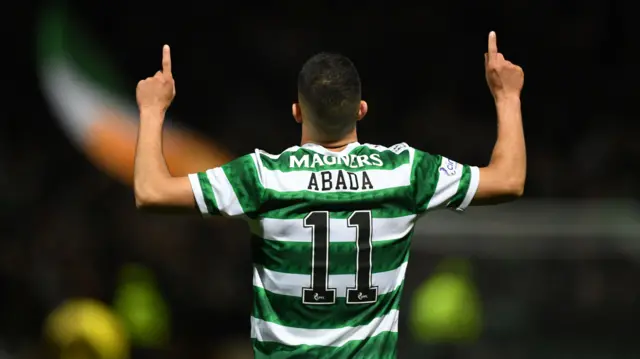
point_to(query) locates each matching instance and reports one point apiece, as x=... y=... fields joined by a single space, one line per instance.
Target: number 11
x=319 y=292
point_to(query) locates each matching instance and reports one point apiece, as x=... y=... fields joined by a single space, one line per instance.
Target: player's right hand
x=158 y=91
x=504 y=78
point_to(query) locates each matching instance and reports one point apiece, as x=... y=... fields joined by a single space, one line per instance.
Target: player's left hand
x=157 y=92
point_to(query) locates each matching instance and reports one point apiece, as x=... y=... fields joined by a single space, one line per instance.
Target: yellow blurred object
x=446 y=307
x=86 y=328
x=79 y=350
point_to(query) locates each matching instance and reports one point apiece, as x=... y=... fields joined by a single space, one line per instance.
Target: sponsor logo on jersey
x=352 y=161
x=399 y=148
x=450 y=168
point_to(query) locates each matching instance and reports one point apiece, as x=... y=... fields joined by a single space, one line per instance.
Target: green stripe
x=289 y=311
x=463 y=188
x=425 y=178
x=207 y=192
x=243 y=177
x=295 y=257
x=390 y=160
x=61 y=38
x=382 y=346
x=384 y=203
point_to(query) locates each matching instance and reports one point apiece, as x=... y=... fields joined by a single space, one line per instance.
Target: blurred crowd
x=67 y=230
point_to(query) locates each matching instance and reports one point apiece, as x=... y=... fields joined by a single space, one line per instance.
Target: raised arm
x=503 y=179
x=232 y=190
x=440 y=182
x=154 y=187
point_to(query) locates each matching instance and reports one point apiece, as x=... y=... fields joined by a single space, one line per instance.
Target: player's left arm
x=440 y=182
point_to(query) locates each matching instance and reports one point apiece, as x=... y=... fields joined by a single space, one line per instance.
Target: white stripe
x=473 y=187
x=275 y=157
x=295 y=181
x=327 y=152
x=412 y=155
x=255 y=156
x=292 y=284
x=375 y=147
x=291 y=230
x=226 y=199
x=197 y=193
x=448 y=181
x=270 y=332
x=77 y=101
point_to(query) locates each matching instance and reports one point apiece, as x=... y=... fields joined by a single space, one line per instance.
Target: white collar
x=320 y=149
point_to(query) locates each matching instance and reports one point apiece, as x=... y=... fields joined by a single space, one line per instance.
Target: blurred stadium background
x=83 y=275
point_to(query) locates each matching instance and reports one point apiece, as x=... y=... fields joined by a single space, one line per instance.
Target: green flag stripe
x=290 y=311
x=382 y=346
x=386 y=255
x=61 y=38
x=463 y=187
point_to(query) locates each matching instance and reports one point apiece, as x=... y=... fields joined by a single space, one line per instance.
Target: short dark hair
x=329 y=89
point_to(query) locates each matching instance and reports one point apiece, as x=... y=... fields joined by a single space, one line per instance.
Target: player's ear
x=364 y=108
x=296 y=111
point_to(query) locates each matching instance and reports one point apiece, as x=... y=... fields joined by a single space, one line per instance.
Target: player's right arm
x=231 y=190
x=503 y=179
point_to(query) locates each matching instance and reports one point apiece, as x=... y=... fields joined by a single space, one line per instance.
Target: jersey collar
x=318 y=148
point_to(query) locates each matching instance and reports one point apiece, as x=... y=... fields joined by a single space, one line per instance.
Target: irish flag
x=97 y=115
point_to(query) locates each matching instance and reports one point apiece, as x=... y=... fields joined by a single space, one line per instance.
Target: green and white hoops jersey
x=331 y=237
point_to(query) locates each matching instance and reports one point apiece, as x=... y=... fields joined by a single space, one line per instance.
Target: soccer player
x=332 y=218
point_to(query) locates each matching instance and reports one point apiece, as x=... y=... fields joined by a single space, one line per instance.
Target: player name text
x=339 y=180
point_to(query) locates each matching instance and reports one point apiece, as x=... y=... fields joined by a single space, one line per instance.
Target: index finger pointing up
x=493 y=44
x=166 y=60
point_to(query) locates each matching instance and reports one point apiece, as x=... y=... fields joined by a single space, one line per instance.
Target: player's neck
x=336 y=146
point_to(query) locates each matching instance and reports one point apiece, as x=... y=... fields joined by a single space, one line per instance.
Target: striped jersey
x=331 y=233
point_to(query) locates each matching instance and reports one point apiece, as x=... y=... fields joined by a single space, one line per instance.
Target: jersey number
x=319 y=292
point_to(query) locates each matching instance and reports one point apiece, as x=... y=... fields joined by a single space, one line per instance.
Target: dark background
x=67 y=228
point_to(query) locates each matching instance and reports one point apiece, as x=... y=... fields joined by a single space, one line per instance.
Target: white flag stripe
x=197 y=193
x=299 y=180
x=270 y=332
x=226 y=198
x=292 y=284
x=76 y=100
x=291 y=230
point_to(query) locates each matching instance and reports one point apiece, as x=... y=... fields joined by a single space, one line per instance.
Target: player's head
x=329 y=95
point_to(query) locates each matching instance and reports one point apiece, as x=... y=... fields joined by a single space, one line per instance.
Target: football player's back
x=331 y=250
x=332 y=220
x=331 y=247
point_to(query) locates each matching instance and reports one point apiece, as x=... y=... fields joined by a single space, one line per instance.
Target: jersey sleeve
x=440 y=182
x=231 y=190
